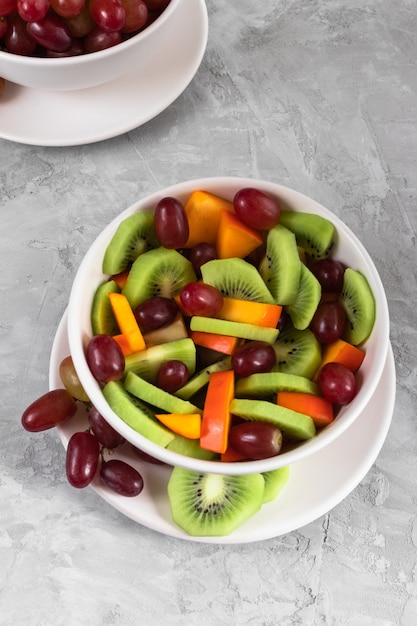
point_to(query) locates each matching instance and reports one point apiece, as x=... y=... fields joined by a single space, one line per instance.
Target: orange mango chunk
x=231 y=456
x=127 y=322
x=258 y=313
x=203 y=210
x=234 y=238
x=215 y=424
x=219 y=343
x=341 y=351
x=319 y=409
x=188 y=425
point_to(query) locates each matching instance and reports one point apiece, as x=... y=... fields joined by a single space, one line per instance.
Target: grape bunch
x=85 y=455
x=63 y=28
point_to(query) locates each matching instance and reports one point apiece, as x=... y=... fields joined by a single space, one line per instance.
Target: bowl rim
x=44 y=62
x=312 y=446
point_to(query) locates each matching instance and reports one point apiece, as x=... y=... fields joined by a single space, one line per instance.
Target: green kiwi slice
x=136 y=414
x=266 y=385
x=201 y=378
x=236 y=278
x=153 y=395
x=102 y=317
x=314 y=233
x=281 y=266
x=298 y=352
x=134 y=236
x=301 y=311
x=292 y=424
x=212 y=505
x=146 y=363
x=158 y=272
x=191 y=447
x=275 y=481
x=359 y=304
x=234 y=329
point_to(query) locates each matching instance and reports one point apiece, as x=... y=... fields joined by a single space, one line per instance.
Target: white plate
x=47 y=118
x=315 y=486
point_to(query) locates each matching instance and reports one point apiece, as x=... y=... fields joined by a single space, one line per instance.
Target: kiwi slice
x=191 y=447
x=174 y=331
x=102 y=317
x=201 y=378
x=136 y=414
x=236 y=278
x=292 y=424
x=301 y=311
x=153 y=395
x=281 y=266
x=134 y=236
x=359 y=304
x=234 y=329
x=158 y=272
x=275 y=480
x=146 y=363
x=212 y=505
x=267 y=384
x=314 y=233
x=298 y=352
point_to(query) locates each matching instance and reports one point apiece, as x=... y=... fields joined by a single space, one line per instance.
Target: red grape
x=51 y=32
x=82 y=458
x=337 y=383
x=155 y=312
x=53 y=408
x=98 y=39
x=76 y=48
x=172 y=375
x=201 y=299
x=17 y=40
x=171 y=223
x=7 y=7
x=70 y=380
x=82 y=24
x=256 y=208
x=136 y=15
x=68 y=8
x=109 y=15
x=253 y=357
x=256 y=440
x=329 y=321
x=3 y=27
x=105 y=433
x=105 y=358
x=33 y=10
x=202 y=253
x=121 y=478
x=329 y=273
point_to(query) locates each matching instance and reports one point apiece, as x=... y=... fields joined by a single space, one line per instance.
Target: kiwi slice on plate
x=293 y=425
x=298 y=352
x=301 y=311
x=314 y=233
x=236 y=278
x=153 y=395
x=158 y=272
x=136 y=414
x=281 y=266
x=146 y=363
x=275 y=480
x=213 y=505
x=134 y=236
x=359 y=304
x=265 y=385
x=102 y=317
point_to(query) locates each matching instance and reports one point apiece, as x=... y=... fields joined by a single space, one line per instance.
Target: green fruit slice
x=136 y=414
x=134 y=236
x=275 y=481
x=146 y=363
x=298 y=352
x=292 y=424
x=158 y=272
x=281 y=265
x=301 y=311
x=236 y=278
x=268 y=384
x=213 y=505
x=153 y=395
x=201 y=378
x=359 y=304
x=234 y=329
x=314 y=233
x=102 y=317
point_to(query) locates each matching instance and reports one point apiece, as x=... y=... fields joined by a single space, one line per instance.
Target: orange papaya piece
x=213 y=341
x=342 y=351
x=231 y=456
x=258 y=313
x=319 y=409
x=126 y=321
x=215 y=423
x=188 y=425
x=234 y=238
x=203 y=210
x=120 y=279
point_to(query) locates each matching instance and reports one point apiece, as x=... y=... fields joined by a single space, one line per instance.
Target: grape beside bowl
x=347 y=249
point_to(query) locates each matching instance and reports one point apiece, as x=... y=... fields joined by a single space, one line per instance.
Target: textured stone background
x=316 y=95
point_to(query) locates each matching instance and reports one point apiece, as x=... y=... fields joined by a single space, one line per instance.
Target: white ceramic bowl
x=89 y=70
x=348 y=249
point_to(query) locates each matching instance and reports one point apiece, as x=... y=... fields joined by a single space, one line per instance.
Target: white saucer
x=315 y=486
x=47 y=118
